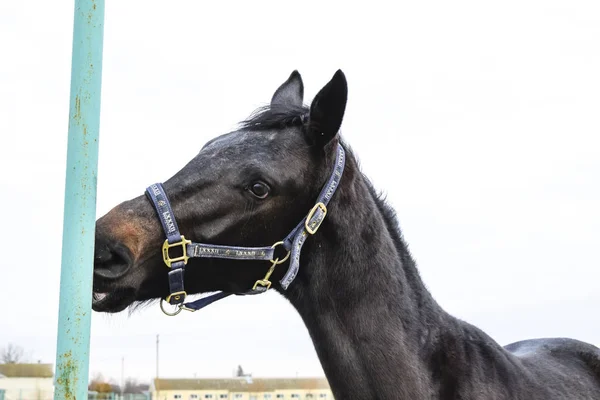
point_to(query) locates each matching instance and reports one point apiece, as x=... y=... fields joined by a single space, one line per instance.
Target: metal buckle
x=176 y=296
x=165 y=250
x=315 y=225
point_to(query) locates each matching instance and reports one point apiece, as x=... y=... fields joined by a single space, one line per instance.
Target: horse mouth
x=113 y=302
x=98 y=297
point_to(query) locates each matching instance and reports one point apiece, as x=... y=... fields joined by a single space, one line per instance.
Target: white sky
x=478 y=119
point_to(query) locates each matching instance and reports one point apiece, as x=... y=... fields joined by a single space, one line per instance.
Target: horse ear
x=327 y=109
x=290 y=93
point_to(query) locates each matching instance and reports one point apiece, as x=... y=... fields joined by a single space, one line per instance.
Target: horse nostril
x=111 y=261
x=102 y=255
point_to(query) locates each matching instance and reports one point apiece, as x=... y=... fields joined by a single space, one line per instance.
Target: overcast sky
x=478 y=119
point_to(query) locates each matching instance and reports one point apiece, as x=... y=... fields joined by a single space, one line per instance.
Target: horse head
x=244 y=189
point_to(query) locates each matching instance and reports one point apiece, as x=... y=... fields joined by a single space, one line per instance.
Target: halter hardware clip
x=265 y=282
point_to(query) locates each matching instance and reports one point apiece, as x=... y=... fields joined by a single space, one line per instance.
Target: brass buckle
x=165 y=250
x=313 y=229
x=176 y=296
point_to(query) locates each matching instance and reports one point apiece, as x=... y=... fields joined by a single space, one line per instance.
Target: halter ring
x=170 y=314
x=277 y=261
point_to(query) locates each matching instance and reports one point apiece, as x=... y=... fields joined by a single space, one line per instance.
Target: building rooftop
x=242 y=384
x=26 y=370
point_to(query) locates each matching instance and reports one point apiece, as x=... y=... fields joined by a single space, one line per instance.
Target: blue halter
x=292 y=244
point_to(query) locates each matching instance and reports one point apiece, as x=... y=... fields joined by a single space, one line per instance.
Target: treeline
x=131 y=386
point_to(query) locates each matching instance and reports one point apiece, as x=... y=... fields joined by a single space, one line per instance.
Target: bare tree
x=132 y=386
x=240 y=371
x=100 y=385
x=12 y=354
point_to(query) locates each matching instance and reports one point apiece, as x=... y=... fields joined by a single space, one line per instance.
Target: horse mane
x=390 y=219
x=408 y=263
x=275 y=117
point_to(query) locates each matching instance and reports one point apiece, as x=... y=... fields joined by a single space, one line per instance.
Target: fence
x=117 y=396
x=26 y=394
x=38 y=394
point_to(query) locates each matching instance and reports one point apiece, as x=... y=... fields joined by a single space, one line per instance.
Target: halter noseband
x=292 y=244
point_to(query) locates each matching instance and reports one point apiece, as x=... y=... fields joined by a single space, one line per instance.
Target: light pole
x=79 y=219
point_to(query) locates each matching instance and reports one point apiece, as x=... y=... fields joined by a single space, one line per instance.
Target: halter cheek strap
x=162 y=206
x=292 y=243
x=309 y=225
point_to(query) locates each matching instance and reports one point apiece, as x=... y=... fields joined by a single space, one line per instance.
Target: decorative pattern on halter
x=292 y=243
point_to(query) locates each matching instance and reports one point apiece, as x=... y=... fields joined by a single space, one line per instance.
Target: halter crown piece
x=292 y=244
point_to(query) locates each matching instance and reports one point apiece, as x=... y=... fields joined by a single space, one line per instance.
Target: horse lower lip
x=100 y=296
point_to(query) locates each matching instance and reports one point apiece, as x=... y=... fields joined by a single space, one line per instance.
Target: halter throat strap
x=293 y=243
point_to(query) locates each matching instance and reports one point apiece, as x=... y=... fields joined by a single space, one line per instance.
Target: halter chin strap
x=292 y=244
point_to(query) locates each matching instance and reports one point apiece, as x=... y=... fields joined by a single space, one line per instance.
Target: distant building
x=245 y=388
x=27 y=381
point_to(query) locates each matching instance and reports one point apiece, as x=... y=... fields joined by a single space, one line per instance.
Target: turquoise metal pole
x=75 y=305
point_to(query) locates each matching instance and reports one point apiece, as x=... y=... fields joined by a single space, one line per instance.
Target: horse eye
x=260 y=190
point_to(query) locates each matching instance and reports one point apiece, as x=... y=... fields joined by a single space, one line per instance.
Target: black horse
x=378 y=332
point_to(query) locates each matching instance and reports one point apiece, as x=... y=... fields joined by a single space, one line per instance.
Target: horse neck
x=373 y=323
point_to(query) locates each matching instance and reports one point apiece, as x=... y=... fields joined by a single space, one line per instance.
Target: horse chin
x=113 y=302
